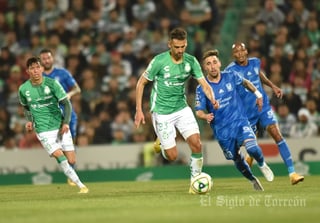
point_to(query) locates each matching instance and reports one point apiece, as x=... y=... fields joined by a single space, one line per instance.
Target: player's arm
x=66 y=115
x=265 y=80
x=205 y=116
x=29 y=117
x=208 y=92
x=200 y=106
x=139 y=117
x=74 y=90
x=247 y=84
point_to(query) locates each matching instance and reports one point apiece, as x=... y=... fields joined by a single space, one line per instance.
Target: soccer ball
x=202 y=183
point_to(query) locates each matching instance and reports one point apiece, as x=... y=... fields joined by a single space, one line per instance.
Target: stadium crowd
x=105 y=44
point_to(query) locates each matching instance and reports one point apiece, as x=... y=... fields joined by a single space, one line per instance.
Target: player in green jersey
x=40 y=96
x=169 y=71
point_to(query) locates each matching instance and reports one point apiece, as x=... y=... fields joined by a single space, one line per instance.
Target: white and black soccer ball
x=202 y=183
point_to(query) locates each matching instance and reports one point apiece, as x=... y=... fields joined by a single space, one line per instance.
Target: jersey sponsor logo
x=221 y=91
x=166 y=68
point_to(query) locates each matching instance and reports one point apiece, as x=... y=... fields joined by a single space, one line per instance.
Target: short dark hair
x=178 y=33
x=210 y=53
x=32 y=60
x=45 y=50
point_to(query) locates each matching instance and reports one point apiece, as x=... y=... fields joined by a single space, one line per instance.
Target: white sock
x=70 y=173
x=196 y=166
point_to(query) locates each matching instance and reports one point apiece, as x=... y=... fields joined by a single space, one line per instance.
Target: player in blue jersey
x=70 y=86
x=249 y=68
x=229 y=122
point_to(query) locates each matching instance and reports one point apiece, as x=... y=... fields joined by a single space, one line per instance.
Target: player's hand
x=139 y=118
x=215 y=104
x=259 y=103
x=29 y=126
x=64 y=129
x=278 y=92
x=209 y=117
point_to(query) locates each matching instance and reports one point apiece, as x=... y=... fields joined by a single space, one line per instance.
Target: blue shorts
x=264 y=119
x=231 y=138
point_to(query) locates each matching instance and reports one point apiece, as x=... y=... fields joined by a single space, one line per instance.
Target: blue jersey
x=252 y=73
x=67 y=82
x=230 y=124
x=231 y=110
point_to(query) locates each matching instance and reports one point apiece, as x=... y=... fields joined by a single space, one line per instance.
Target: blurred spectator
x=17 y=124
x=200 y=14
x=313 y=31
x=259 y=33
x=290 y=98
x=143 y=10
x=6 y=134
x=300 y=79
x=311 y=105
x=305 y=127
x=277 y=56
x=22 y=29
x=300 y=13
x=49 y=15
x=103 y=131
x=286 y=119
x=7 y=60
x=32 y=14
x=122 y=127
x=281 y=40
x=167 y=9
x=72 y=23
x=293 y=26
x=271 y=15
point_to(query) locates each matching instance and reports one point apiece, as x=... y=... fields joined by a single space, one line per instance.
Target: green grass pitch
x=231 y=200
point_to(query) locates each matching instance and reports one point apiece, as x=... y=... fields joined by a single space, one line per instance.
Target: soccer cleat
x=267 y=172
x=256 y=184
x=83 y=190
x=191 y=191
x=295 y=178
x=71 y=183
x=157 y=146
x=249 y=160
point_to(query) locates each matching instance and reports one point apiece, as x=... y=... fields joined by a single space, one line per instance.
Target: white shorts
x=165 y=126
x=52 y=141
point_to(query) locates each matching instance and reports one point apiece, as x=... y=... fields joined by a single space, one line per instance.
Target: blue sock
x=255 y=151
x=286 y=155
x=243 y=167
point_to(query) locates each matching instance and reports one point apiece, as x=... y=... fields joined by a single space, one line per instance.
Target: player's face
x=46 y=61
x=211 y=66
x=240 y=54
x=177 y=48
x=35 y=71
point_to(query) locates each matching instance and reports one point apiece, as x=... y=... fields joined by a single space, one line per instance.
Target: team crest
x=229 y=87
x=187 y=67
x=47 y=90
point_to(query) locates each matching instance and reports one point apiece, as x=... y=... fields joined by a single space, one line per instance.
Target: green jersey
x=43 y=103
x=168 y=91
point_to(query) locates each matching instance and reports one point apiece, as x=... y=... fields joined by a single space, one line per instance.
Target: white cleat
x=267 y=172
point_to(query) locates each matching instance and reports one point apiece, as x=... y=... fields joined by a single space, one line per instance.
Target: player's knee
x=171 y=154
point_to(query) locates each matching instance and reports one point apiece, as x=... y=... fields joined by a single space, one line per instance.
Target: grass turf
x=232 y=199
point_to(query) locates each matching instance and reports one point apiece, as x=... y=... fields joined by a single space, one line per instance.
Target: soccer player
x=41 y=96
x=249 y=68
x=230 y=123
x=70 y=85
x=169 y=72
